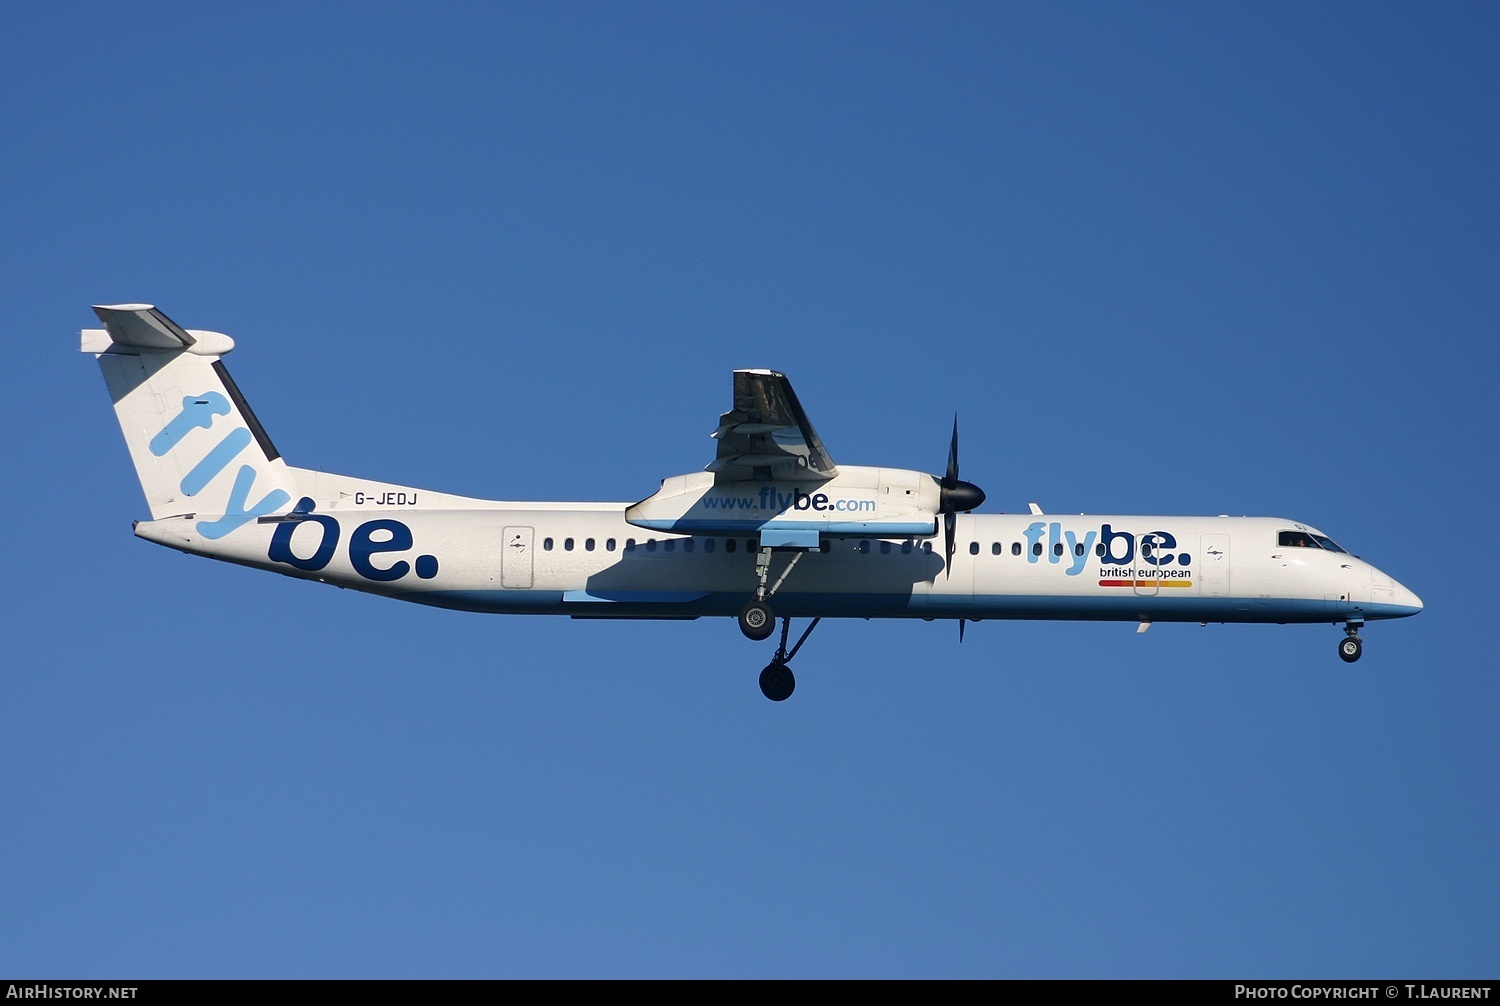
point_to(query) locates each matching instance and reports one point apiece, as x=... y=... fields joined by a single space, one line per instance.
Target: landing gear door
x=515 y=558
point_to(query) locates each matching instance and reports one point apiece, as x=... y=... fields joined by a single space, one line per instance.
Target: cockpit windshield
x=1306 y=539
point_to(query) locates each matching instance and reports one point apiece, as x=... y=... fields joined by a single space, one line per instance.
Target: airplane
x=771 y=529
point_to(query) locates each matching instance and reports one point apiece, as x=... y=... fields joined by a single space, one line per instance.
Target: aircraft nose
x=1407 y=598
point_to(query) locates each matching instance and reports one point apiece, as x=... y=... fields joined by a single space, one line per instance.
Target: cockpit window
x=1305 y=539
x=1326 y=543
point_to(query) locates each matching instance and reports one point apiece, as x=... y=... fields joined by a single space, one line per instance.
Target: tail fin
x=197 y=447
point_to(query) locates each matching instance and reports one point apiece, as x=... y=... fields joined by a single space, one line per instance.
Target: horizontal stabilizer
x=141 y=326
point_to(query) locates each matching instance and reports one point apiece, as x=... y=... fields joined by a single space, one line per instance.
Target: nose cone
x=1391 y=598
x=1408 y=600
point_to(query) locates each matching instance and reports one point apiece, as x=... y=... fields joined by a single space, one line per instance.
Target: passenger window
x=630 y=544
x=927 y=547
x=1036 y=548
x=1078 y=549
x=588 y=545
x=708 y=544
x=670 y=545
x=906 y=547
x=885 y=548
x=1057 y=549
x=546 y=544
x=1015 y=548
x=567 y=544
x=994 y=548
x=687 y=546
x=650 y=544
x=729 y=544
x=609 y=544
x=863 y=547
x=973 y=548
x=1099 y=550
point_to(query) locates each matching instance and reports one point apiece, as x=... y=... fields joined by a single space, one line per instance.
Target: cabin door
x=1213 y=564
x=515 y=558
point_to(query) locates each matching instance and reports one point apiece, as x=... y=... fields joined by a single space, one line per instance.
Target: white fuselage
x=585 y=560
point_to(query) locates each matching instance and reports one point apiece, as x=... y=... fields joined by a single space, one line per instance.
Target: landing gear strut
x=757 y=620
x=777 y=681
x=1350 y=646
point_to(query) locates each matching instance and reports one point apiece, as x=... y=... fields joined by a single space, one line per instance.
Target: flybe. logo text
x=1111 y=548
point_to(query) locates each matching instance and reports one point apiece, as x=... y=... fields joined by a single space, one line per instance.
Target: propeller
x=956 y=496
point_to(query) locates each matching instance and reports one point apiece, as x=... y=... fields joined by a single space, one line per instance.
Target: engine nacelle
x=858 y=502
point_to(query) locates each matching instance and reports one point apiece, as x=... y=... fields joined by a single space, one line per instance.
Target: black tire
x=777 y=682
x=757 y=621
x=1350 y=649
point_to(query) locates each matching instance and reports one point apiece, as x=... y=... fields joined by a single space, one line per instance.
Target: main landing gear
x=777 y=681
x=1350 y=646
x=758 y=621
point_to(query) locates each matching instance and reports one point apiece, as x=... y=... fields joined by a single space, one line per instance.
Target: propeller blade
x=960 y=631
x=951 y=479
x=955 y=496
x=950 y=524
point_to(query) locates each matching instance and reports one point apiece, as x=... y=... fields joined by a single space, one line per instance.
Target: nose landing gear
x=1350 y=646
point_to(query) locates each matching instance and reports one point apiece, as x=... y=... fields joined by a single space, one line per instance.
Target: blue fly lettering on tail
x=197 y=414
x=238 y=514
x=200 y=412
x=215 y=461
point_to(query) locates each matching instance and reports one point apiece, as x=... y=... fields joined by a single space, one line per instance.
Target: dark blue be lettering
x=1156 y=540
x=362 y=547
x=281 y=540
x=1107 y=538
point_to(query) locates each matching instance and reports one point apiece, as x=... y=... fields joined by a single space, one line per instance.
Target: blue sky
x=1160 y=258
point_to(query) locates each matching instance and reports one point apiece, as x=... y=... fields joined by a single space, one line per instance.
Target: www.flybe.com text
x=772 y=499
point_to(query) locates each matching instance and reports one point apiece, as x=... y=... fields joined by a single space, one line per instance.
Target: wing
x=766 y=436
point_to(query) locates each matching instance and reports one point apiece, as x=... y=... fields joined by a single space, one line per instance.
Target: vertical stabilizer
x=197 y=447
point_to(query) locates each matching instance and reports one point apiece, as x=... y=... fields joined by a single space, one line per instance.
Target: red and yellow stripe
x=1145 y=583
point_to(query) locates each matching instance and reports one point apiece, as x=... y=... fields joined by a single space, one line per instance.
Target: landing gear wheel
x=1350 y=649
x=757 y=622
x=777 y=681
